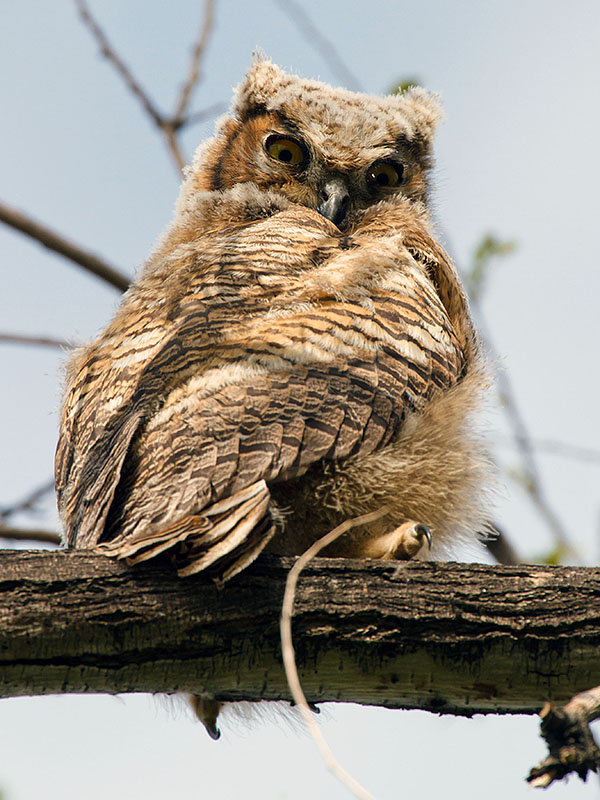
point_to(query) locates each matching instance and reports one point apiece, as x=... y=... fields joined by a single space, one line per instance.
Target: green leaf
x=489 y=248
x=554 y=557
x=403 y=85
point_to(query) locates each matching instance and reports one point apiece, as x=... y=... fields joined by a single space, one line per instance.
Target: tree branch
x=571 y=743
x=40 y=341
x=29 y=535
x=555 y=447
x=170 y=135
x=162 y=122
x=168 y=125
x=324 y=46
x=27 y=503
x=454 y=638
x=194 y=69
x=112 y=56
x=205 y=113
x=53 y=241
x=532 y=482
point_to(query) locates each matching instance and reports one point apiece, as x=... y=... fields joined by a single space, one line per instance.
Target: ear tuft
x=424 y=109
x=262 y=82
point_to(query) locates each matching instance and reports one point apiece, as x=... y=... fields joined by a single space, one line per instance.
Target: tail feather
x=233 y=537
x=258 y=488
x=149 y=545
x=252 y=547
x=231 y=527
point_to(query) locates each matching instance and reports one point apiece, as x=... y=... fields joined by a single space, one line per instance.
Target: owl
x=297 y=351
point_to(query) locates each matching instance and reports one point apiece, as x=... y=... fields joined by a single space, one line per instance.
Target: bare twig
x=533 y=483
x=42 y=341
x=53 y=241
x=557 y=448
x=29 y=535
x=491 y=247
x=109 y=53
x=205 y=113
x=194 y=70
x=571 y=744
x=28 y=502
x=173 y=145
x=168 y=125
x=289 y=658
x=320 y=43
x=164 y=124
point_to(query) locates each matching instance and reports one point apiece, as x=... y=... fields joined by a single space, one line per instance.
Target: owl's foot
x=207 y=711
x=401 y=544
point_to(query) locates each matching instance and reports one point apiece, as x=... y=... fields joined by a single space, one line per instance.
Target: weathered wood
x=454 y=638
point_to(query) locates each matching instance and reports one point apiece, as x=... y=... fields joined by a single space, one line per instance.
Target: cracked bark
x=450 y=638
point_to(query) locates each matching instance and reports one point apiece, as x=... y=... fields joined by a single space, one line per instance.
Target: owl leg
x=402 y=544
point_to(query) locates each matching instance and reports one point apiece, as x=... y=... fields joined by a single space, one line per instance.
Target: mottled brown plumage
x=298 y=350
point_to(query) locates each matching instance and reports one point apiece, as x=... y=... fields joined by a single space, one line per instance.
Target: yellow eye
x=386 y=175
x=285 y=150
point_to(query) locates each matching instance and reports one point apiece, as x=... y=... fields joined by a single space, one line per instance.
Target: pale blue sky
x=517 y=155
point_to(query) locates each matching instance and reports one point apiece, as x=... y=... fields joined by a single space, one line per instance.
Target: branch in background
x=500 y=548
x=29 y=535
x=321 y=43
x=168 y=125
x=531 y=483
x=206 y=113
x=53 y=241
x=491 y=248
x=194 y=70
x=556 y=448
x=28 y=503
x=570 y=741
x=173 y=145
x=109 y=53
x=42 y=341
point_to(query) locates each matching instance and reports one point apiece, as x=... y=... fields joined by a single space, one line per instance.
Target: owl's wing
x=444 y=277
x=182 y=453
x=325 y=385
x=102 y=411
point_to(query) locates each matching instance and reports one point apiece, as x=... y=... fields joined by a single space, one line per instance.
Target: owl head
x=330 y=149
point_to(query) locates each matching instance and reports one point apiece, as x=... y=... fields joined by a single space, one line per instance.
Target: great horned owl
x=298 y=350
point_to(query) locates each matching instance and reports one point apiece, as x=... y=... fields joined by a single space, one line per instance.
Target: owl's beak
x=335 y=200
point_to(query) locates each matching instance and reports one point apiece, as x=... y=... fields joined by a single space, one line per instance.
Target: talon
x=423 y=530
x=402 y=543
x=207 y=710
x=410 y=538
x=212 y=731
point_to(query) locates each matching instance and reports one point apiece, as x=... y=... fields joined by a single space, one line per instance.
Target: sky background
x=517 y=156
